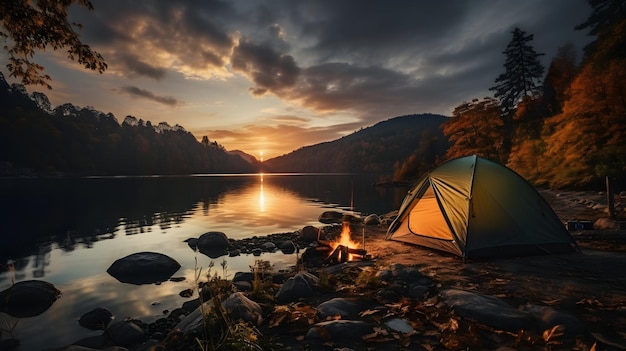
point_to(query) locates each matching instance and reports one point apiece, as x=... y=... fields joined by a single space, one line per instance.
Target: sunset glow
x=274 y=84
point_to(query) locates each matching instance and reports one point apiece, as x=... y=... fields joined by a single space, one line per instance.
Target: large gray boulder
x=241 y=307
x=143 y=268
x=301 y=285
x=28 y=298
x=487 y=310
x=346 y=308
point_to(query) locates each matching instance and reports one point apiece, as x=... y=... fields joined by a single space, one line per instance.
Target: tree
x=476 y=128
x=30 y=26
x=608 y=23
x=523 y=70
x=562 y=71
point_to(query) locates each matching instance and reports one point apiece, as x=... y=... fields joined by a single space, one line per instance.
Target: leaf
x=550 y=334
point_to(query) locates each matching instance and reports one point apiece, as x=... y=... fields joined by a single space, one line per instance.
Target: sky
x=270 y=76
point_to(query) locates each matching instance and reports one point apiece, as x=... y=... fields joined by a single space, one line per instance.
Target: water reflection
x=68 y=231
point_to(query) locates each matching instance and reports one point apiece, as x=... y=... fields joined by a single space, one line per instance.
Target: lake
x=69 y=231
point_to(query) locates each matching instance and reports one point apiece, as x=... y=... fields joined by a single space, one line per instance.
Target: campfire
x=344 y=249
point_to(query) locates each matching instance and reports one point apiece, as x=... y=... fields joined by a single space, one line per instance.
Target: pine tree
x=523 y=72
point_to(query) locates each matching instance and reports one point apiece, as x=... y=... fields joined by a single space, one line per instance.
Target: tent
x=476 y=208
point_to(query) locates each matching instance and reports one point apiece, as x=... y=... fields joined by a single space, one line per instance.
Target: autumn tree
x=476 y=128
x=31 y=26
x=561 y=72
x=522 y=73
x=607 y=23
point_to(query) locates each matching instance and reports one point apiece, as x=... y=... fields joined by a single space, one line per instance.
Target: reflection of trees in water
x=82 y=211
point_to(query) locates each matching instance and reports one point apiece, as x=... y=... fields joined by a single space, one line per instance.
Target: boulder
x=309 y=233
x=299 y=286
x=330 y=217
x=346 y=308
x=547 y=317
x=371 y=220
x=243 y=276
x=213 y=244
x=242 y=308
x=487 y=310
x=96 y=319
x=28 y=298
x=126 y=334
x=340 y=330
x=194 y=321
x=143 y=268
x=287 y=247
x=268 y=246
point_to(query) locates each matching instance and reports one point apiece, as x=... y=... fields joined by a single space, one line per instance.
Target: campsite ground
x=590 y=284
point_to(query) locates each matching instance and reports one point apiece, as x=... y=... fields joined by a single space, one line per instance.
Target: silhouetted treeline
x=73 y=140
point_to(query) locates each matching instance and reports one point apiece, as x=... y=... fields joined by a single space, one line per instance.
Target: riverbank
x=400 y=298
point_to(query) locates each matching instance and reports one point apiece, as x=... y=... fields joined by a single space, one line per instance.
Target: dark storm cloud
x=269 y=70
x=371 y=59
x=136 y=67
x=146 y=94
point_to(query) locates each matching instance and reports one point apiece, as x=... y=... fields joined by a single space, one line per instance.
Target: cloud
x=134 y=91
x=269 y=70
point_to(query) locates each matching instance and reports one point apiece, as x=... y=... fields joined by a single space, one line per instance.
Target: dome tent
x=476 y=208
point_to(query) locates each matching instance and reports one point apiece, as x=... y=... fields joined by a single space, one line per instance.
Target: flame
x=345 y=240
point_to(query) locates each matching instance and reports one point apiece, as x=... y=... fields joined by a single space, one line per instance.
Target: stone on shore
x=299 y=286
x=143 y=268
x=28 y=298
x=488 y=310
x=345 y=308
x=242 y=308
x=339 y=331
x=309 y=233
x=331 y=217
x=126 y=334
x=96 y=319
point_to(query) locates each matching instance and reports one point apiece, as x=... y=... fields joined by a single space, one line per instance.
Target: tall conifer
x=522 y=75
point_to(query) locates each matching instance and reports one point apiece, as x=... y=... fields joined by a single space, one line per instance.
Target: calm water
x=68 y=232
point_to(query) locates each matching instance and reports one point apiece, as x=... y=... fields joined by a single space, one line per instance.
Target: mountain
x=38 y=139
x=249 y=158
x=376 y=150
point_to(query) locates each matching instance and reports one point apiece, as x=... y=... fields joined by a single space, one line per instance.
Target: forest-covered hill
x=376 y=149
x=36 y=139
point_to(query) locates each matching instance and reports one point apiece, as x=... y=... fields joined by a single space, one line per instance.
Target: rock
x=234 y=253
x=301 y=285
x=487 y=310
x=126 y=334
x=268 y=246
x=287 y=247
x=194 y=321
x=371 y=220
x=339 y=330
x=309 y=233
x=186 y=293
x=330 y=217
x=143 y=268
x=243 y=276
x=241 y=308
x=346 y=308
x=547 y=317
x=399 y=325
x=257 y=251
x=606 y=224
x=28 y=298
x=242 y=286
x=96 y=319
x=177 y=279
x=213 y=244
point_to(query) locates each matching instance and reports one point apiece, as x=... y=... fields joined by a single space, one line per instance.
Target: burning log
x=342 y=254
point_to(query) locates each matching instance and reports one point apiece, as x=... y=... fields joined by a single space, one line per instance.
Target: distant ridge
x=375 y=150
